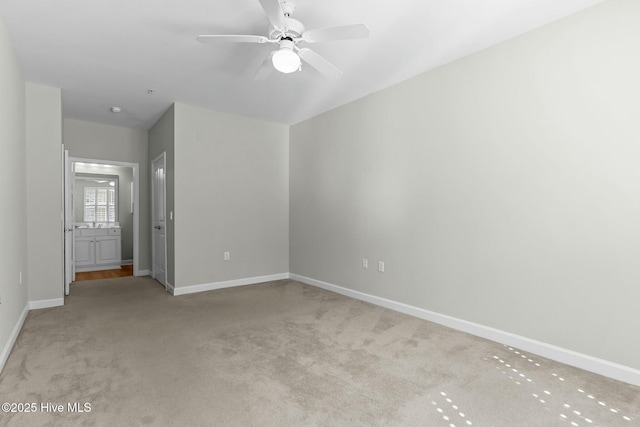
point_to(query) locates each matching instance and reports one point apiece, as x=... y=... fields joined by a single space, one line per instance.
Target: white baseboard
x=559 y=354
x=12 y=338
x=46 y=303
x=183 y=290
x=142 y=273
x=126 y=262
x=98 y=268
x=170 y=288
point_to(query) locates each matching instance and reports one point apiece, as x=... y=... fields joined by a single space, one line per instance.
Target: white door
x=69 y=222
x=158 y=219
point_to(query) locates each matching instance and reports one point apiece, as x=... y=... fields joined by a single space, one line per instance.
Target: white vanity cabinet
x=97 y=249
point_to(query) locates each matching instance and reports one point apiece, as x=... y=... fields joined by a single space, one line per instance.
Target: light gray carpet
x=283 y=353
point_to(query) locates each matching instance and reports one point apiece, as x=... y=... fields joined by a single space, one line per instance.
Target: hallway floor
x=125 y=271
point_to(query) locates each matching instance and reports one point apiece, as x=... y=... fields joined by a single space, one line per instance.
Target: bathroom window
x=99 y=204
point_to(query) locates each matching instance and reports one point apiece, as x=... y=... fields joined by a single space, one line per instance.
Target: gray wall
x=114 y=143
x=13 y=189
x=503 y=189
x=44 y=192
x=161 y=139
x=231 y=194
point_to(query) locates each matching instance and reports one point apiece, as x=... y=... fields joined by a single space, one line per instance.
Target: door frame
x=161 y=157
x=136 y=203
x=68 y=230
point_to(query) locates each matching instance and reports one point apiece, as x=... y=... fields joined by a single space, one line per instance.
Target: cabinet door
x=84 y=251
x=108 y=250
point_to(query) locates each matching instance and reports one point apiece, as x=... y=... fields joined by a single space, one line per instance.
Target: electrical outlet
x=381 y=266
x=365 y=263
x=226 y=256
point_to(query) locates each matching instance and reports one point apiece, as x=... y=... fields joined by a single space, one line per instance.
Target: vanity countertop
x=97 y=227
x=95 y=232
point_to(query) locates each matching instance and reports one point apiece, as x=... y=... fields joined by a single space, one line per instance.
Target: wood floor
x=126 y=270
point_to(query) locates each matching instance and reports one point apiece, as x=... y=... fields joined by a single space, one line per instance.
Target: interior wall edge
x=583 y=361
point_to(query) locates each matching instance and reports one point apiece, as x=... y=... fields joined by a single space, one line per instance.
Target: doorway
x=101 y=216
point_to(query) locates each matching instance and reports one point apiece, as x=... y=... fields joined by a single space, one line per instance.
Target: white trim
x=136 y=217
x=170 y=288
x=67 y=240
x=142 y=273
x=126 y=262
x=183 y=290
x=46 y=303
x=559 y=354
x=6 y=351
x=100 y=267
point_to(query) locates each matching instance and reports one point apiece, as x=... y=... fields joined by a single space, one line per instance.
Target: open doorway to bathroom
x=103 y=209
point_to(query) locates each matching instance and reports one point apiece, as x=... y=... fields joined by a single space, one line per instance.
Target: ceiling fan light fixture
x=286 y=60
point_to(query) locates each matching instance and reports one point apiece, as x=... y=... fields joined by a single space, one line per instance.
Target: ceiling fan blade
x=210 y=38
x=265 y=69
x=345 y=32
x=274 y=12
x=319 y=63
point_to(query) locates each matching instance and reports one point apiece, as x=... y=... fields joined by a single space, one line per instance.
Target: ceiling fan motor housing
x=293 y=29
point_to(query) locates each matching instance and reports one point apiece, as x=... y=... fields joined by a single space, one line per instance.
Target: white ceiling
x=110 y=52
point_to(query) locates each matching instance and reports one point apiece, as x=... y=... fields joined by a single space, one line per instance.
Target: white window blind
x=99 y=204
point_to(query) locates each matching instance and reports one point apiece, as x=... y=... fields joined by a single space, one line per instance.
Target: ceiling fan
x=288 y=34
